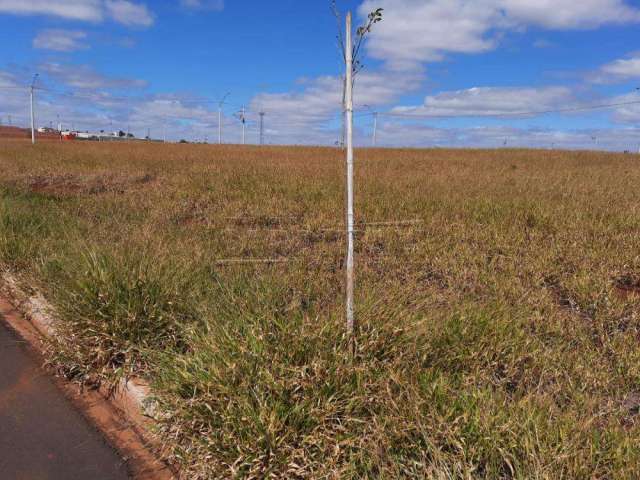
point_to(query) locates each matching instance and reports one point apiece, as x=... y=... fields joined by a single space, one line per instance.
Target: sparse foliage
x=362 y=32
x=375 y=16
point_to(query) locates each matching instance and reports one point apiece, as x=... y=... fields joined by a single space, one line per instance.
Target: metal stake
x=349 y=213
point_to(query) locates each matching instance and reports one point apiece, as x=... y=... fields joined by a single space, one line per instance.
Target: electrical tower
x=33 y=117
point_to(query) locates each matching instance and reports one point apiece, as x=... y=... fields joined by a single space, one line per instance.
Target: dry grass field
x=8 y=132
x=499 y=334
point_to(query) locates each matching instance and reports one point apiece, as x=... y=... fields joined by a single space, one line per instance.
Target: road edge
x=123 y=415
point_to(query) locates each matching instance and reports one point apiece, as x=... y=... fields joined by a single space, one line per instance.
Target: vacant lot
x=8 y=132
x=499 y=335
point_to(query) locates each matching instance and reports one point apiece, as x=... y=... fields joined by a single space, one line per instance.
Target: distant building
x=87 y=136
x=68 y=135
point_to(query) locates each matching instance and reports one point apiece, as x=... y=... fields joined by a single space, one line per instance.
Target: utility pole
x=344 y=102
x=638 y=90
x=244 y=126
x=33 y=120
x=349 y=213
x=375 y=128
x=262 y=114
x=220 y=117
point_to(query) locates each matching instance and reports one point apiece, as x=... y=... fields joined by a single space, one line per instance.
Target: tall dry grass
x=498 y=335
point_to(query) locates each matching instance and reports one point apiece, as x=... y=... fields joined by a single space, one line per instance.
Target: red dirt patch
x=21 y=133
x=69 y=185
x=627 y=287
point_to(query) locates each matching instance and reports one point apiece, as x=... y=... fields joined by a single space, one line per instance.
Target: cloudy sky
x=462 y=73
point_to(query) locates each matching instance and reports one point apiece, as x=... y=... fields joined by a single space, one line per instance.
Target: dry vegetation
x=499 y=336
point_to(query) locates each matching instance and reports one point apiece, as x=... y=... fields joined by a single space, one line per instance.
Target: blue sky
x=451 y=72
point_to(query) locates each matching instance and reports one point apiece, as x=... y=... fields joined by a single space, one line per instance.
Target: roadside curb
x=33 y=318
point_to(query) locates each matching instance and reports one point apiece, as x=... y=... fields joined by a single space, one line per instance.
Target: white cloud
x=417 y=31
x=299 y=115
x=129 y=13
x=216 y=5
x=85 y=78
x=7 y=80
x=323 y=96
x=619 y=70
x=629 y=113
x=487 y=101
x=172 y=107
x=402 y=134
x=569 y=14
x=61 y=40
x=296 y=115
x=86 y=10
x=122 y=11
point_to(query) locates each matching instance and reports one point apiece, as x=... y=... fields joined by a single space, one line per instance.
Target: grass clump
x=124 y=308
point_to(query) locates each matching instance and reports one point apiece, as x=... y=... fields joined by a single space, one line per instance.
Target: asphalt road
x=42 y=435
